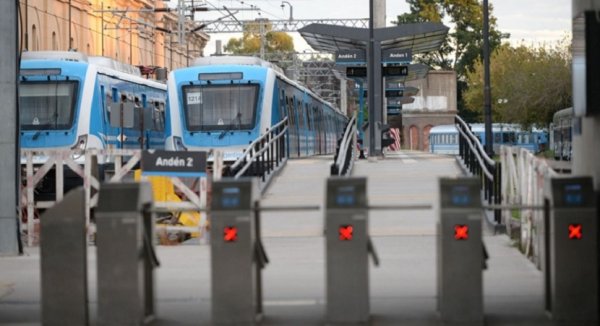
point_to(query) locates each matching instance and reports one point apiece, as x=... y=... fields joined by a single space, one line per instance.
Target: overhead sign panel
x=395 y=71
x=354 y=56
x=396 y=55
x=356 y=72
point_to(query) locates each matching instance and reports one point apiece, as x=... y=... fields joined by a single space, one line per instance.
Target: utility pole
x=374 y=84
x=487 y=88
x=9 y=131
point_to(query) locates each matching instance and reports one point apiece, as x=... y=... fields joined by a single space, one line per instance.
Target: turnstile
x=347 y=249
x=571 y=243
x=126 y=257
x=63 y=251
x=460 y=251
x=237 y=256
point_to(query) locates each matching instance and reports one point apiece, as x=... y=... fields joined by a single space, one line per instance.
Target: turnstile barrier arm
x=373 y=252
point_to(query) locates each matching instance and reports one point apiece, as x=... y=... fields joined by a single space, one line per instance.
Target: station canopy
x=419 y=37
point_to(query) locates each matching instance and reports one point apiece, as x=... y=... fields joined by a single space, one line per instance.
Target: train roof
x=74 y=56
x=235 y=60
x=257 y=62
x=480 y=127
x=55 y=55
x=443 y=129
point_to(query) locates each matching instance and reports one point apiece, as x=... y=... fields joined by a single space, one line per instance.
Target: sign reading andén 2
x=173 y=163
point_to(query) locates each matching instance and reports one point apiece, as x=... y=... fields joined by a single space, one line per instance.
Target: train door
x=296 y=107
x=293 y=133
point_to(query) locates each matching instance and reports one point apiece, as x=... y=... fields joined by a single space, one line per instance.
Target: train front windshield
x=220 y=107
x=47 y=105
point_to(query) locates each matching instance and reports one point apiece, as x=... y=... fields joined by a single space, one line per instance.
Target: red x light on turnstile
x=575 y=231
x=461 y=232
x=230 y=234
x=345 y=232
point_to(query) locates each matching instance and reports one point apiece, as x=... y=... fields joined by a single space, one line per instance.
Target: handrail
x=478 y=162
x=343 y=159
x=263 y=155
x=487 y=173
x=474 y=138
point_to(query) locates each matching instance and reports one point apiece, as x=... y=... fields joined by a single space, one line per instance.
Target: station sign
x=396 y=55
x=353 y=56
x=173 y=163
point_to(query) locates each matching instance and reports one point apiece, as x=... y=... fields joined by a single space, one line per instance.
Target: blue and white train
x=228 y=102
x=443 y=139
x=66 y=100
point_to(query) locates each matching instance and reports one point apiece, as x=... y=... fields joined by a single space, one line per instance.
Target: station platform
x=402 y=288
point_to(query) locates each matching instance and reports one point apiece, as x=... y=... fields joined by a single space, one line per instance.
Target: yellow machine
x=164 y=191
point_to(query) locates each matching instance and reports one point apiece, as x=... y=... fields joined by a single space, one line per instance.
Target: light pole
x=291 y=9
x=487 y=89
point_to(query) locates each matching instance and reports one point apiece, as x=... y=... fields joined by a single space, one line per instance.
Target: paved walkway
x=403 y=288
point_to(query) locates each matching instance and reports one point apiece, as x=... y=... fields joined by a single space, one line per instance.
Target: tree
x=464 y=44
x=249 y=43
x=529 y=84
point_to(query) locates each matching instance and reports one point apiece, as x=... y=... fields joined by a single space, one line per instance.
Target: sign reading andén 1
x=396 y=55
x=173 y=163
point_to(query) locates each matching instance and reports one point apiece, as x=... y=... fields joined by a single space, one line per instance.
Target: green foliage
x=249 y=43
x=529 y=84
x=464 y=44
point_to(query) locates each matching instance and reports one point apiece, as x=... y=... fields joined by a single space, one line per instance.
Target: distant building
x=435 y=104
x=102 y=28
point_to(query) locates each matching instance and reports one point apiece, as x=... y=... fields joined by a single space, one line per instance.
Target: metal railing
x=477 y=161
x=263 y=156
x=125 y=161
x=524 y=177
x=344 y=155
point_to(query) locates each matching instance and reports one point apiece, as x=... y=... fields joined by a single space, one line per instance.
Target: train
x=562 y=134
x=226 y=102
x=443 y=139
x=70 y=101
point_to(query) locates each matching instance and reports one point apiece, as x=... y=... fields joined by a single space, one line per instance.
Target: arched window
x=54 y=42
x=88 y=49
x=413 y=134
x=34 y=38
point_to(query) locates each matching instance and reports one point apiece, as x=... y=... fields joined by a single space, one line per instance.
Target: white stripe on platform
x=289 y=303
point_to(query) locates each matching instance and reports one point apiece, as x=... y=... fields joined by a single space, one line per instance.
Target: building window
x=54 y=42
x=34 y=39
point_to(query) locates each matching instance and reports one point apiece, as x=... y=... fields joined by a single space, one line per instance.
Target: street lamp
x=291 y=9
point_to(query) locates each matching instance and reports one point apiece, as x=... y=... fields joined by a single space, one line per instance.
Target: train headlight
x=178 y=144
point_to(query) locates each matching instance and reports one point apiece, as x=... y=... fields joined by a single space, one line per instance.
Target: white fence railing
x=523 y=178
x=39 y=162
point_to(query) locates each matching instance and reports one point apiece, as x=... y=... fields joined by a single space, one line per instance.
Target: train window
x=158 y=116
x=308 y=117
x=508 y=137
x=48 y=105
x=282 y=111
x=220 y=107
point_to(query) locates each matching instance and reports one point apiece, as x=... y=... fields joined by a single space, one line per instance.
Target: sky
x=532 y=22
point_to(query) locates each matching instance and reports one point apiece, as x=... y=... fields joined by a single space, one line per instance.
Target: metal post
x=460 y=253
x=9 y=139
x=102 y=28
x=487 y=88
x=262 y=37
x=63 y=251
x=374 y=87
x=70 y=38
